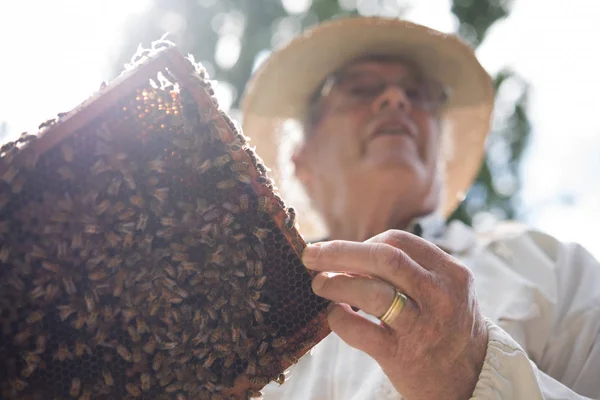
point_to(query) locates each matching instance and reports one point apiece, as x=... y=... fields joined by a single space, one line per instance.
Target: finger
x=373 y=338
x=371 y=295
x=378 y=260
x=425 y=253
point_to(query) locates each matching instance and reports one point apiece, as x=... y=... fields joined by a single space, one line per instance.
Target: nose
x=393 y=97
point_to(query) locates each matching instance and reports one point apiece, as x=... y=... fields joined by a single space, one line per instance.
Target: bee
x=108 y=314
x=250 y=267
x=86 y=395
x=222 y=347
x=40 y=344
x=226 y=184
x=258 y=316
x=290 y=220
x=129 y=180
x=289 y=358
x=97 y=275
x=262 y=349
x=258 y=268
x=259 y=248
x=65 y=311
x=221 y=161
x=252 y=394
x=81 y=348
x=183 y=143
x=153 y=180
x=173 y=387
x=142 y=222
x=263 y=180
x=145 y=381
x=99 y=167
x=137 y=200
x=227 y=220
x=211 y=215
x=119 y=281
x=128 y=240
x=63 y=353
x=260 y=381
x=91 y=229
x=135 y=337
x=10 y=174
x=108 y=378
x=52 y=291
x=209 y=360
x=79 y=322
x=239 y=166
x=66 y=173
x=279 y=342
x=243 y=178
x=157 y=165
x=114 y=262
x=117 y=208
x=102 y=207
x=157 y=361
x=261 y=233
x=161 y=194
x=52 y=267
x=263 y=307
x=4 y=199
x=89 y=303
x=265 y=204
x=137 y=355
x=126 y=215
x=281 y=378
x=18 y=183
x=133 y=389
x=18 y=384
x=104 y=133
x=124 y=353
x=29 y=370
x=228 y=361
x=150 y=346
x=67 y=152
x=260 y=282
x=31 y=358
x=75 y=387
x=35 y=316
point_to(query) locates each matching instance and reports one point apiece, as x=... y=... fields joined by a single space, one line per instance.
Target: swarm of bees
x=144 y=252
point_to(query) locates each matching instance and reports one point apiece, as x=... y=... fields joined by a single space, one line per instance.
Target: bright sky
x=55 y=53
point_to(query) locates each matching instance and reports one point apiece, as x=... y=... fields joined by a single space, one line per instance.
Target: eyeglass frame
x=328 y=84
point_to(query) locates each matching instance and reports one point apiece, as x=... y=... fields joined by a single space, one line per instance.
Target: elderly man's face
x=377 y=135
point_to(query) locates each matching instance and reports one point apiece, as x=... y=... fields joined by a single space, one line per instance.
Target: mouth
x=391 y=128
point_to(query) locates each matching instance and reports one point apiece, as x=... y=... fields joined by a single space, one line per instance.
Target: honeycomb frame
x=48 y=349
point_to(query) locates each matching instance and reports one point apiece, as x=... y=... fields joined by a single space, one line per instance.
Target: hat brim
x=282 y=86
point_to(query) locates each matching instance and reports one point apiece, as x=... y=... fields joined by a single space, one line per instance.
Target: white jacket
x=541 y=299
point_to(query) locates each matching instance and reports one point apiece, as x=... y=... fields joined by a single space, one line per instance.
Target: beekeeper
x=393 y=117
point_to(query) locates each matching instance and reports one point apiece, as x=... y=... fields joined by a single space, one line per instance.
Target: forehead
x=395 y=66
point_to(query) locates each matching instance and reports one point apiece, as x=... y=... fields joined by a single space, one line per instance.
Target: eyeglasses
x=364 y=87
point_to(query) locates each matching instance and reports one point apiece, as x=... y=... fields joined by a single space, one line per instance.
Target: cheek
x=337 y=142
x=430 y=135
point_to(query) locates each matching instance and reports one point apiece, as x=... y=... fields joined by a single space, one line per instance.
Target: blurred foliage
x=230 y=36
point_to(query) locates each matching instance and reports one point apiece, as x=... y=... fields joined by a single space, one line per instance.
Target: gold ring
x=395 y=309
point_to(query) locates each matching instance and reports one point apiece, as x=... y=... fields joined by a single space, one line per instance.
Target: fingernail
x=317 y=282
x=309 y=255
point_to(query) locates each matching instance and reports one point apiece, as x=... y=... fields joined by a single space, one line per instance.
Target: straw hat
x=280 y=90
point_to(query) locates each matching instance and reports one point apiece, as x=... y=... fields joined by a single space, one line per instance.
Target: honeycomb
x=145 y=253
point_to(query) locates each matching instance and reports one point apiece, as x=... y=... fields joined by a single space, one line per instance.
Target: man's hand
x=435 y=347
